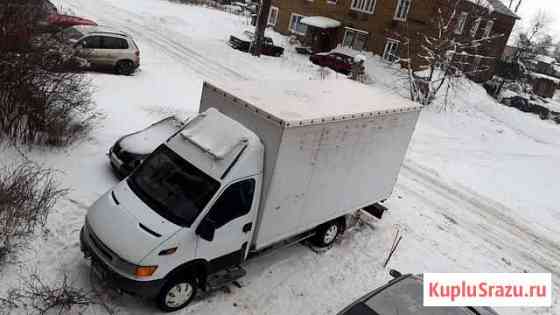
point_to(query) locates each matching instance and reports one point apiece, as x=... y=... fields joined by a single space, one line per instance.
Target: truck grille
x=99 y=245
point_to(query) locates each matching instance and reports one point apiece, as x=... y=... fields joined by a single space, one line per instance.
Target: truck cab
x=190 y=206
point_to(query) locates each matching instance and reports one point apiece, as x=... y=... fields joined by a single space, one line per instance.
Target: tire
x=326 y=234
x=169 y=300
x=124 y=67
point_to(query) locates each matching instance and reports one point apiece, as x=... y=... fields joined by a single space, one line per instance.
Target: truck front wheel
x=327 y=233
x=176 y=294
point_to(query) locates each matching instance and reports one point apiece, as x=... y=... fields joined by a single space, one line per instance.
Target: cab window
x=234 y=203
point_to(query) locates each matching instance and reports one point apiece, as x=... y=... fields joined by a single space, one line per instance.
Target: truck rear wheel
x=326 y=234
x=176 y=294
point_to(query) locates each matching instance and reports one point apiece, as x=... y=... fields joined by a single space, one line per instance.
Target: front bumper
x=147 y=289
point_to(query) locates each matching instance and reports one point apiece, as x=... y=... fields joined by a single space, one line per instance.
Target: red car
x=338 y=62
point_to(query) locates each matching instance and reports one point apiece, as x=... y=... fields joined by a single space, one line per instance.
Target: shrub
x=61 y=297
x=27 y=195
x=43 y=92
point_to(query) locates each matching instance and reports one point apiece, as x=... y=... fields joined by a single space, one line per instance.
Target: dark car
x=403 y=296
x=243 y=43
x=336 y=61
x=131 y=150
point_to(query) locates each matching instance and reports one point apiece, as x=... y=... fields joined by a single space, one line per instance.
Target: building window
x=476 y=63
x=475 y=26
x=391 y=52
x=355 y=39
x=366 y=6
x=295 y=24
x=488 y=29
x=403 y=6
x=461 y=21
x=273 y=16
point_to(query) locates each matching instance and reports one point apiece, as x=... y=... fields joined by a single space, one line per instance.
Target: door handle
x=247 y=227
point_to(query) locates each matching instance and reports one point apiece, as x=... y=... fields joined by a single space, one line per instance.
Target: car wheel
x=326 y=234
x=176 y=294
x=124 y=67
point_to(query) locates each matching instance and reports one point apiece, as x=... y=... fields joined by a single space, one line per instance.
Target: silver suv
x=105 y=48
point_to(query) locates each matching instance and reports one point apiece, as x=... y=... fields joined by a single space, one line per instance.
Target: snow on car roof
x=320 y=22
x=295 y=103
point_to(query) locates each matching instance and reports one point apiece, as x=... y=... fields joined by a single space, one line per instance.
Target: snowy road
x=441 y=202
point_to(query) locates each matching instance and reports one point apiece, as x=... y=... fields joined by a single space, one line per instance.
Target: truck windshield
x=173 y=187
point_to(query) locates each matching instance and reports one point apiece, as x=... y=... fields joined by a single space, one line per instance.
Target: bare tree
x=530 y=42
x=27 y=195
x=262 y=23
x=43 y=92
x=38 y=296
x=453 y=46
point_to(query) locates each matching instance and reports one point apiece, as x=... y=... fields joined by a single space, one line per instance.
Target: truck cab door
x=231 y=221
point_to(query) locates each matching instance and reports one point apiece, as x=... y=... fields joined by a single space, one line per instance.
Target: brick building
x=377 y=25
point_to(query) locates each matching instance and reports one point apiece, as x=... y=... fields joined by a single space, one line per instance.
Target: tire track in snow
x=171 y=43
x=483 y=217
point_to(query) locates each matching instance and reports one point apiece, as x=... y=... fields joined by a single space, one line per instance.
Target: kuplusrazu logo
x=487 y=289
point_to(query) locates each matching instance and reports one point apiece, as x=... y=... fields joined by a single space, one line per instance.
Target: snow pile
x=545 y=59
x=359 y=58
x=147 y=140
x=320 y=22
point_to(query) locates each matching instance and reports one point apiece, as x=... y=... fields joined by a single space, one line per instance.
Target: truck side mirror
x=395 y=273
x=206 y=229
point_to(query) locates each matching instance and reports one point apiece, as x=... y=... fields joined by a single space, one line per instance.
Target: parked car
x=336 y=61
x=132 y=149
x=105 y=48
x=228 y=186
x=403 y=296
x=244 y=41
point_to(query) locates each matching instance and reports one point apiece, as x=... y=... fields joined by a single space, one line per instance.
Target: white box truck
x=262 y=164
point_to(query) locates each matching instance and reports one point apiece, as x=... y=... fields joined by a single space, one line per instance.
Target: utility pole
x=262 y=21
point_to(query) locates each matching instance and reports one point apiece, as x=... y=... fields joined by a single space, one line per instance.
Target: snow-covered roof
x=545 y=59
x=544 y=76
x=298 y=103
x=320 y=22
x=496 y=6
x=215 y=134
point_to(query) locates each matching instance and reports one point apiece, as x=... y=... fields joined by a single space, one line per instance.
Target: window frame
x=477 y=60
x=475 y=27
x=223 y=192
x=359 y=5
x=398 y=9
x=354 y=38
x=488 y=28
x=291 y=25
x=461 y=22
x=388 y=43
x=273 y=8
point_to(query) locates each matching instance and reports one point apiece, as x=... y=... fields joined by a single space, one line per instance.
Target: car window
x=405 y=298
x=114 y=43
x=91 y=42
x=234 y=202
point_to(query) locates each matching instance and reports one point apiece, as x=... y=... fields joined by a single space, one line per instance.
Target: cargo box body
x=331 y=147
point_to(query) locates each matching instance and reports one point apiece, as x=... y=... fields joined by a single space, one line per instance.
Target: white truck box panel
x=325 y=155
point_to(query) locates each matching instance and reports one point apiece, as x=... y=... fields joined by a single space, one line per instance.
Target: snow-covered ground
x=478 y=191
